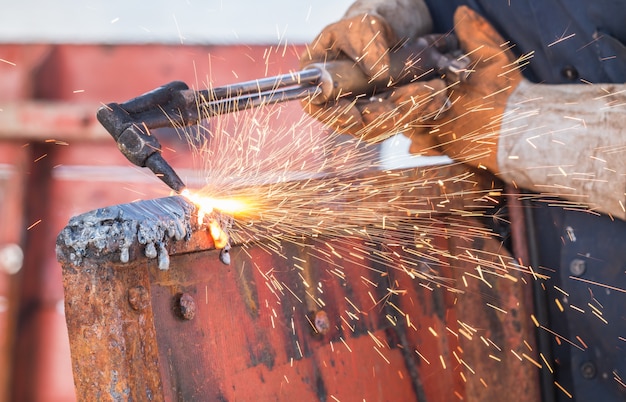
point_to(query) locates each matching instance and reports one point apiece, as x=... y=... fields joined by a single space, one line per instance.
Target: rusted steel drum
x=306 y=320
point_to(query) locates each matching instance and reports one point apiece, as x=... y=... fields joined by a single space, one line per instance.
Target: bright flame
x=220 y=238
x=206 y=205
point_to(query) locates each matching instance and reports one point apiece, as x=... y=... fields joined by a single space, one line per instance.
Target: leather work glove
x=365 y=36
x=469 y=130
x=367 y=31
x=557 y=140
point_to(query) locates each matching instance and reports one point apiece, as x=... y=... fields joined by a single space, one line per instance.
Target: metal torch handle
x=419 y=59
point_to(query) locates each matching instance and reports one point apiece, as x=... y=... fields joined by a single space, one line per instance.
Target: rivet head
x=577 y=267
x=322 y=322
x=570 y=73
x=186 y=306
x=588 y=370
x=138 y=298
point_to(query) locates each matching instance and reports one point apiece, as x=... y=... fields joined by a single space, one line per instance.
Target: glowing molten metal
x=206 y=205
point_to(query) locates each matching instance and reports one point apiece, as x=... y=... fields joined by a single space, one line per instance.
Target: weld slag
x=115 y=229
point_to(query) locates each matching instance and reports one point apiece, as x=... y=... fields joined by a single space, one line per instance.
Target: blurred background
x=59 y=61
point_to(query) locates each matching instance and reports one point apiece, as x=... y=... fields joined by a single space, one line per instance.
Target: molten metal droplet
x=124 y=255
x=225 y=255
x=150 y=251
x=220 y=238
x=163 y=258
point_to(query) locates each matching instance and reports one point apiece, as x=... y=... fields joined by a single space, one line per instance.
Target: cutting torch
x=176 y=105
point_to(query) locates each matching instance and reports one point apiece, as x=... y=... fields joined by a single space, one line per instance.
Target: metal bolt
x=577 y=267
x=322 y=322
x=186 y=306
x=588 y=370
x=570 y=73
x=138 y=298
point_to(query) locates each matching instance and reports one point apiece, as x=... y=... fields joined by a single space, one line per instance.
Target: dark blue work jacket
x=572 y=40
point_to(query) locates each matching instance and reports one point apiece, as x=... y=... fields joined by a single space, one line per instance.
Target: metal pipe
x=229 y=105
x=297 y=78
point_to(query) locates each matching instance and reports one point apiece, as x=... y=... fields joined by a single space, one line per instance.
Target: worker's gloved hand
x=402 y=109
x=469 y=131
x=366 y=39
x=367 y=31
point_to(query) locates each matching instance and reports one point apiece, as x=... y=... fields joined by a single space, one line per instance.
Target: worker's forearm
x=408 y=18
x=567 y=140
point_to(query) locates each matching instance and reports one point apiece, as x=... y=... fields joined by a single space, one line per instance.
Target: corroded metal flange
x=152 y=228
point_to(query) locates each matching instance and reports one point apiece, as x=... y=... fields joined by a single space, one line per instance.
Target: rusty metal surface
x=105 y=254
x=242 y=344
x=288 y=327
x=47 y=92
x=115 y=355
x=508 y=325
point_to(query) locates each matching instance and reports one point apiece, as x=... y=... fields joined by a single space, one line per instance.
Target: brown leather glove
x=469 y=131
x=366 y=39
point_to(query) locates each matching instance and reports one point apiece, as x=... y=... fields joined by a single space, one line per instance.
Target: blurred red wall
x=56 y=162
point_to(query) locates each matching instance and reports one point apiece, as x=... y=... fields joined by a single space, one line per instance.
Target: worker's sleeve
x=408 y=18
x=568 y=141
